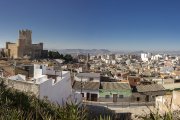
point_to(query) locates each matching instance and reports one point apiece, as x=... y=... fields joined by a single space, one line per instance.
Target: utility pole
x=61 y=71
x=14 y=65
x=82 y=98
x=81 y=85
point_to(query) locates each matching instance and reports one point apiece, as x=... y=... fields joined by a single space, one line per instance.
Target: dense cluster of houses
x=93 y=89
x=43 y=81
x=132 y=78
x=101 y=78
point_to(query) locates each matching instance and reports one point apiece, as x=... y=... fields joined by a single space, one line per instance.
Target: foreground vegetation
x=15 y=105
x=56 y=55
x=155 y=114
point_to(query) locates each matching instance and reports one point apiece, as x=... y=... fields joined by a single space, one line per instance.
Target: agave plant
x=105 y=117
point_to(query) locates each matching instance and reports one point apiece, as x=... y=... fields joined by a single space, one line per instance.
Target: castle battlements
x=24 y=47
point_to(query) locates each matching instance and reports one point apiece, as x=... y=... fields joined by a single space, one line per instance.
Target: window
x=121 y=96
x=138 y=98
x=107 y=96
x=91 y=79
x=153 y=97
x=82 y=94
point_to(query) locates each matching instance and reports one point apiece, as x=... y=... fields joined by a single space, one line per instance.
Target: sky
x=94 y=24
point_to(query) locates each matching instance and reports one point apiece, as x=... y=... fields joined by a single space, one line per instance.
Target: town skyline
x=118 y=25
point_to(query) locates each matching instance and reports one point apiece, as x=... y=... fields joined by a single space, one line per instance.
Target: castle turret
x=25 y=35
x=24 y=48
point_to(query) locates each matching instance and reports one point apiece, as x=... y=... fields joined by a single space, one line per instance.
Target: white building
x=107 y=61
x=113 y=62
x=88 y=85
x=87 y=77
x=44 y=86
x=156 y=57
x=145 y=56
x=89 y=90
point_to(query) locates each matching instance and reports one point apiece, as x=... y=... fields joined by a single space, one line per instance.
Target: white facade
x=18 y=77
x=57 y=90
x=107 y=61
x=144 y=57
x=87 y=78
x=80 y=69
x=162 y=102
x=88 y=91
x=92 y=57
x=113 y=62
x=156 y=57
x=110 y=61
x=84 y=79
x=103 y=57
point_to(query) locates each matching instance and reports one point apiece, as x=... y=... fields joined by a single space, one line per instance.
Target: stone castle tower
x=24 y=47
x=26 y=36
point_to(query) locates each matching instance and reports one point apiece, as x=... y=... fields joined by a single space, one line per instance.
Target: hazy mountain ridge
x=83 y=51
x=106 y=51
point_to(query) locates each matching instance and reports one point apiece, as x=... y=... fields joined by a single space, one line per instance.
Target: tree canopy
x=57 y=55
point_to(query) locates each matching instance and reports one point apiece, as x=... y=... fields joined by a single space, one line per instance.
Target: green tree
x=54 y=55
x=68 y=58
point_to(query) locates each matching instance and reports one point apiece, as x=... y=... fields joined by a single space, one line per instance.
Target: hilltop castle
x=24 y=47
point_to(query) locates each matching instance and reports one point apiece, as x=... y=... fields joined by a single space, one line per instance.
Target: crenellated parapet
x=24 y=47
x=26 y=35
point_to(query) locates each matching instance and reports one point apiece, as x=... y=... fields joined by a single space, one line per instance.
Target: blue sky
x=89 y=24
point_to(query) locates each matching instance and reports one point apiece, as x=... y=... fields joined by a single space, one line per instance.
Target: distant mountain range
x=83 y=51
x=106 y=51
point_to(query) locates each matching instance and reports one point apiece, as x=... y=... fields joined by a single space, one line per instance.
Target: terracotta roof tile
x=150 y=88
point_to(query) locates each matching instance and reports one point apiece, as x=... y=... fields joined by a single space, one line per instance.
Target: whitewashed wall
x=58 y=92
x=85 y=79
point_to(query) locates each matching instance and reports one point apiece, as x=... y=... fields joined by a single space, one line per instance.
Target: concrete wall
x=162 y=103
x=176 y=100
x=56 y=92
x=23 y=86
x=13 y=50
x=125 y=99
x=88 y=91
x=37 y=70
x=41 y=79
x=37 y=50
x=151 y=96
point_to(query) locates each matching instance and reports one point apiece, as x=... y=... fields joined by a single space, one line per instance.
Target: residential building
x=88 y=90
x=148 y=93
x=56 y=90
x=85 y=77
x=114 y=91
